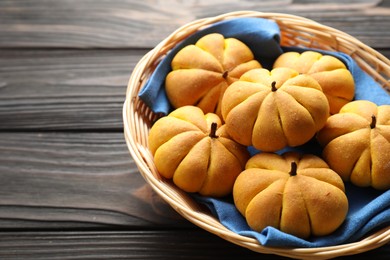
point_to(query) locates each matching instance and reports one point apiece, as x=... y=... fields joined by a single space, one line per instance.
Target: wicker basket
x=295 y=31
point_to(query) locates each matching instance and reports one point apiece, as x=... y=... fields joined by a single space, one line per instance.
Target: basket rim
x=134 y=139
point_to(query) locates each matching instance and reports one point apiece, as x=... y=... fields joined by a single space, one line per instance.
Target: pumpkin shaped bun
x=194 y=150
x=357 y=144
x=273 y=109
x=297 y=194
x=201 y=72
x=335 y=79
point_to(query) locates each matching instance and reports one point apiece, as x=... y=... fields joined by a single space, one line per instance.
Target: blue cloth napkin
x=369 y=209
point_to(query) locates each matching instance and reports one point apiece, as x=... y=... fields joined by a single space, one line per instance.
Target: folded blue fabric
x=369 y=209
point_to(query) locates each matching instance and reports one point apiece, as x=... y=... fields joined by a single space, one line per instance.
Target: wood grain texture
x=152 y=244
x=76 y=177
x=183 y=244
x=64 y=89
x=140 y=24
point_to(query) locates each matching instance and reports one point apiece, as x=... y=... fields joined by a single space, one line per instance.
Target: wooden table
x=68 y=186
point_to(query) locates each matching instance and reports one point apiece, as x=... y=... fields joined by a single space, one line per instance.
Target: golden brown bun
x=270 y=119
x=356 y=147
x=335 y=79
x=312 y=202
x=201 y=72
x=197 y=162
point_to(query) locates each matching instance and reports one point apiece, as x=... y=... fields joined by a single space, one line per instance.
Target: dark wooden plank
x=179 y=244
x=132 y=23
x=185 y=244
x=66 y=89
x=76 y=177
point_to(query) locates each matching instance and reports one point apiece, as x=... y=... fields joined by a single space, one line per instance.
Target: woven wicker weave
x=295 y=31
